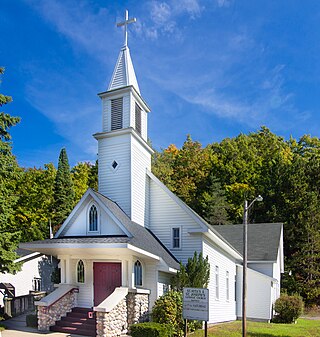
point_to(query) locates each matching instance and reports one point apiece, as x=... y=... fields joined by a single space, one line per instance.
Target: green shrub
x=288 y=308
x=32 y=320
x=151 y=329
x=168 y=310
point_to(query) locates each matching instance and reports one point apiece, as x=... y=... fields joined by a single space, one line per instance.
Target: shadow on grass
x=262 y=334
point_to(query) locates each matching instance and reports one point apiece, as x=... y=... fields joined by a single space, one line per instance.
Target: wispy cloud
x=163 y=17
x=75 y=115
x=85 y=26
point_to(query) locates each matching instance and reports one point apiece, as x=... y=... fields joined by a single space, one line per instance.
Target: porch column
x=130 y=275
x=124 y=273
x=63 y=270
x=68 y=270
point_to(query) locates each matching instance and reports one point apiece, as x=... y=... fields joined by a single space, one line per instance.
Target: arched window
x=93 y=219
x=80 y=272
x=137 y=273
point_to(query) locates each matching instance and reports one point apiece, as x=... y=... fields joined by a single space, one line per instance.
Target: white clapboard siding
x=164 y=281
x=126 y=110
x=277 y=268
x=115 y=183
x=150 y=277
x=220 y=309
x=141 y=161
x=165 y=213
x=264 y=268
x=85 y=295
x=259 y=295
x=80 y=227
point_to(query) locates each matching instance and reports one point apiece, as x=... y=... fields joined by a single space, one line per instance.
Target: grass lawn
x=303 y=328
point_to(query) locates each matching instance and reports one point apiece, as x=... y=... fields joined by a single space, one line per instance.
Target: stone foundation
x=113 y=323
x=47 y=316
x=138 y=307
x=133 y=308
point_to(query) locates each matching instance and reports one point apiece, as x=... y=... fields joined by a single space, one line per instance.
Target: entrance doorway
x=106 y=277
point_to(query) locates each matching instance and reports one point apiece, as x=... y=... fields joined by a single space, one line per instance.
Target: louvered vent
x=138 y=118
x=119 y=79
x=116 y=113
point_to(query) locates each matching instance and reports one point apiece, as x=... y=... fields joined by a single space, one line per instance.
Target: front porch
x=112 y=317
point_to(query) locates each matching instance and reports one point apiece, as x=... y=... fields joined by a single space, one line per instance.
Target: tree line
x=216 y=179
x=213 y=180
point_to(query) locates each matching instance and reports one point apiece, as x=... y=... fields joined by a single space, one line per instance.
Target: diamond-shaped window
x=114 y=164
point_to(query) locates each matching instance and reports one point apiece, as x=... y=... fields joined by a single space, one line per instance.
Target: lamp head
x=259 y=198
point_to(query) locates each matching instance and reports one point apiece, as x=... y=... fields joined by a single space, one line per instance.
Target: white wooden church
x=120 y=246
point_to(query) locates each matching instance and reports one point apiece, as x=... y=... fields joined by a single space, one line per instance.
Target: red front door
x=106 y=277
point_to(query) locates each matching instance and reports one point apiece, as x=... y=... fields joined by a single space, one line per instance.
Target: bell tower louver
x=123 y=153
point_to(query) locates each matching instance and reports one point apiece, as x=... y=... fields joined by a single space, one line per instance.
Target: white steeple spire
x=124 y=74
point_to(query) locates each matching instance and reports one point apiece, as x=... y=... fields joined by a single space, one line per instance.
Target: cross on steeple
x=125 y=24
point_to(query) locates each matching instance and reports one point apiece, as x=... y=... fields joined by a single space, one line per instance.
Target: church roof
x=141 y=236
x=263 y=239
x=124 y=74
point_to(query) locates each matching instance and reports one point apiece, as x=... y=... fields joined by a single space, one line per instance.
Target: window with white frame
x=217 y=282
x=93 y=219
x=80 y=272
x=227 y=286
x=176 y=237
x=137 y=273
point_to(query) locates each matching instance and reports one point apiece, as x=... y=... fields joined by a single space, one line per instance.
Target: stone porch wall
x=132 y=309
x=48 y=315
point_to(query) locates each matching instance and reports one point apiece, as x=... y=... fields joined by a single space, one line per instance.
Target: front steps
x=77 y=322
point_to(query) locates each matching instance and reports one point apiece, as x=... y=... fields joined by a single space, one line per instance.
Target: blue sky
x=211 y=68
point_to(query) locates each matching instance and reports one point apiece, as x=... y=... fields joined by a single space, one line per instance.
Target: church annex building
x=120 y=246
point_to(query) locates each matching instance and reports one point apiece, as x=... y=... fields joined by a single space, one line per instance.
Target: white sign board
x=196 y=304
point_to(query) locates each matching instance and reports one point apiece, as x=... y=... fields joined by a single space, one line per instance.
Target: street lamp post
x=245 y=262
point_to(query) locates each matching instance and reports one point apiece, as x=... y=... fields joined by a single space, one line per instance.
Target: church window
x=217 y=282
x=93 y=219
x=176 y=237
x=137 y=273
x=116 y=113
x=138 y=118
x=227 y=286
x=80 y=272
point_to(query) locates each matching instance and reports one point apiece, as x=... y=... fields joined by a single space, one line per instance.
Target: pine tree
x=64 y=195
x=194 y=274
x=9 y=172
x=214 y=204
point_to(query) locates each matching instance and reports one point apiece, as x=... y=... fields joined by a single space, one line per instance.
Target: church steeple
x=123 y=74
x=124 y=155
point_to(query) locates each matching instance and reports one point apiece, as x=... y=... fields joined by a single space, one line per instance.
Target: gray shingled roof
x=141 y=237
x=263 y=239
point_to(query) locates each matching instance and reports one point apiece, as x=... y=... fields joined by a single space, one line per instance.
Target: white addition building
x=120 y=246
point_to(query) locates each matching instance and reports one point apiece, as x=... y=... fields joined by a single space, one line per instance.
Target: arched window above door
x=93 y=219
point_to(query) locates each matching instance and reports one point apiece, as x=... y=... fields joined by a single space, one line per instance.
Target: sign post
x=196 y=305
